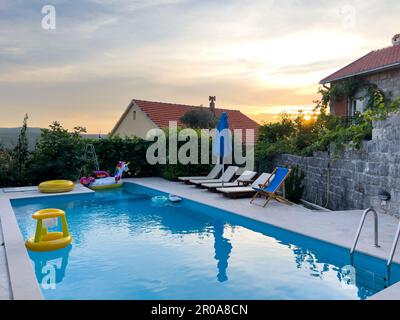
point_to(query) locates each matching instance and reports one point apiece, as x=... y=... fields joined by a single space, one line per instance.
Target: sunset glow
x=261 y=57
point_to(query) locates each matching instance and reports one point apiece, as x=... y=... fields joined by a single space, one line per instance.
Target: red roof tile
x=161 y=113
x=372 y=62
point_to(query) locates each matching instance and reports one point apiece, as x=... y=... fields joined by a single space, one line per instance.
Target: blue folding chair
x=270 y=188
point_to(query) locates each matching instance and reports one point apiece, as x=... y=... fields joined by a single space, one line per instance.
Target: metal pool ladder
x=90 y=153
x=364 y=215
x=392 y=252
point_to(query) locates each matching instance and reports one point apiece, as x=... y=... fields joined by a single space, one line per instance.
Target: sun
x=307 y=117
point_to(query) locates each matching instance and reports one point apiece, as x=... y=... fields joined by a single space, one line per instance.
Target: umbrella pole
x=223 y=170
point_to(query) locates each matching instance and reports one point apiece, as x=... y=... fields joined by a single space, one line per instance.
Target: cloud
x=255 y=55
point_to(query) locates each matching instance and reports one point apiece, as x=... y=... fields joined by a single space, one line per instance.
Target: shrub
x=6 y=168
x=110 y=150
x=274 y=132
x=20 y=155
x=58 y=154
x=303 y=137
x=173 y=171
x=265 y=154
x=133 y=149
x=294 y=185
x=13 y=163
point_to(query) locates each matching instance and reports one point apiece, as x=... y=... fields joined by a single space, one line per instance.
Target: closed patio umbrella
x=222 y=140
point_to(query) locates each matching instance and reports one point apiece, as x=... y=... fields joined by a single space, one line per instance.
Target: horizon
x=102 y=54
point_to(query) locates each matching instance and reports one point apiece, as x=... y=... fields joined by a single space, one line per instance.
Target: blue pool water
x=126 y=248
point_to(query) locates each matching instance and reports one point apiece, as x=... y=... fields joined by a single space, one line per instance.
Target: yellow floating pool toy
x=49 y=241
x=56 y=186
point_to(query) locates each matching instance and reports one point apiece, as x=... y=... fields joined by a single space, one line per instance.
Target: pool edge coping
x=23 y=282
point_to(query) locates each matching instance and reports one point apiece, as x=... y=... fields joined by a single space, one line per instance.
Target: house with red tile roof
x=141 y=116
x=380 y=68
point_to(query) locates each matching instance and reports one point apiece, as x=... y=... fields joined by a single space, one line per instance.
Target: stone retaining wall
x=352 y=179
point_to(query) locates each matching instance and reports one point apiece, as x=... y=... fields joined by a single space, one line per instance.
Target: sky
x=262 y=57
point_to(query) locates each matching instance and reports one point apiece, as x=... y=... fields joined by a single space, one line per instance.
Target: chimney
x=396 y=40
x=212 y=100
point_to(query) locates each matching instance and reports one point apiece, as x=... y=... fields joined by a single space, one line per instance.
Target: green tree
x=59 y=154
x=21 y=152
x=199 y=118
x=6 y=176
x=274 y=132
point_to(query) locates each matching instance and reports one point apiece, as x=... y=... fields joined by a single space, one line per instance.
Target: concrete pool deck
x=337 y=227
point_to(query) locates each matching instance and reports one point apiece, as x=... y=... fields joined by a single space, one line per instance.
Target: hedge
x=60 y=154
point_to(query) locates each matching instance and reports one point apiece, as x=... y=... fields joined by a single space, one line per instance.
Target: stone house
x=141 y=116
x=380 y=67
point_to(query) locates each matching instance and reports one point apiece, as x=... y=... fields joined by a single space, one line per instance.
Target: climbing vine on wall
x=347 y=88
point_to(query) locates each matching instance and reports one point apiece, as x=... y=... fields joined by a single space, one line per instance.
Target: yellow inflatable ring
x=55 y=186
x=49 y=241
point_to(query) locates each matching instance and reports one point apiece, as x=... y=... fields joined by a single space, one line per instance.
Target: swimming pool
x=125 y=247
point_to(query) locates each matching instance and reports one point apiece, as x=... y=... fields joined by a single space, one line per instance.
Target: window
x=134 y=115
x=358 y=102
x=357 y=106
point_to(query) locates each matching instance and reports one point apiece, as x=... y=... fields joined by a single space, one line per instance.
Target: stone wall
x=388 y=82
x=352 y=179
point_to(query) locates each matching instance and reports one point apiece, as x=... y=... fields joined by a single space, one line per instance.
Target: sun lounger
x=245 y=191
x=245 y=177
x=269 y=190
x=226 y=177
x=212 y=175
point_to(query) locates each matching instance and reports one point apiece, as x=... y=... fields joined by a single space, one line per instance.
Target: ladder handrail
x=392 y=252
x=90 y=147
x=363 y=217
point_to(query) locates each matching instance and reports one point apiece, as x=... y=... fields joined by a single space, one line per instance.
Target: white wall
x=135 y=126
